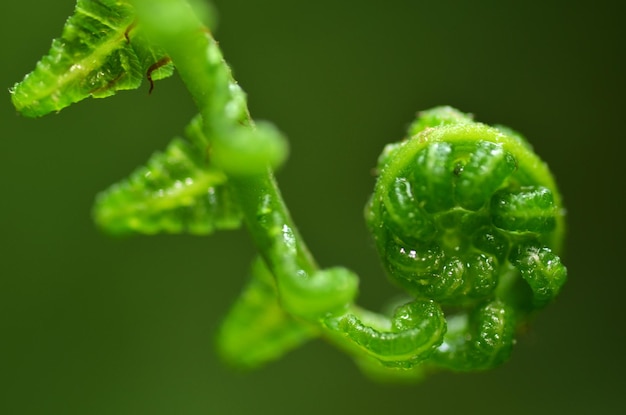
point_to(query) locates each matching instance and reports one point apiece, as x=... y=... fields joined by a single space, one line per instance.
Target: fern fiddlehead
x=462 y=214
x=460 y=203
x=466 y=218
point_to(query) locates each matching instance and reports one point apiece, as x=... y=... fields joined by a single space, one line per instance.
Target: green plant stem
x=199 y=62
x=272 y=228
x=305 y=292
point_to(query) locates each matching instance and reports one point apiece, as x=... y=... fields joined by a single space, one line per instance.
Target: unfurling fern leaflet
x=468 y=216
x=179 y=190
x=101 y=50
x=455 y=204
x=257 y=328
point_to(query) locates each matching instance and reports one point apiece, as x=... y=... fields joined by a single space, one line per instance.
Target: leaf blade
x=257 y=329
x=95 y=56
x=177 y=191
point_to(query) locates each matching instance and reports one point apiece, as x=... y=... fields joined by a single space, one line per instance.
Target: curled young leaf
x=178 y=190
x=480 y=340
x=101 y=50
x=403 y=341
x=257 y=329
x=468 y=216
x=452 y=201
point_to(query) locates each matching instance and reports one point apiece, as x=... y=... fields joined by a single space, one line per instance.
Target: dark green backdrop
x=91 y=325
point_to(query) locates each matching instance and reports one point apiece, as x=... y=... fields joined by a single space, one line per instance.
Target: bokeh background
x=92 y=325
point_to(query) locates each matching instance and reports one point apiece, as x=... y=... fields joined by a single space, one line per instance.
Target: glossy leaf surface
x=177 y=191
x=101 y=50
x=468 y=216
x=257 y=328
x=447 y=191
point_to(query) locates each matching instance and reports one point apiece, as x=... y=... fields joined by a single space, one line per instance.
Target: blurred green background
x=92 y=325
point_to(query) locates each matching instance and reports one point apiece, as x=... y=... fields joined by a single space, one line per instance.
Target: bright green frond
x=177 y=191
x=101 y=50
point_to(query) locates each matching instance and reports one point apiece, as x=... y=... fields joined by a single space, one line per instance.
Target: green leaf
x=257 y=328
x=178 y=190
x=479 y=339
x=100 y=51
